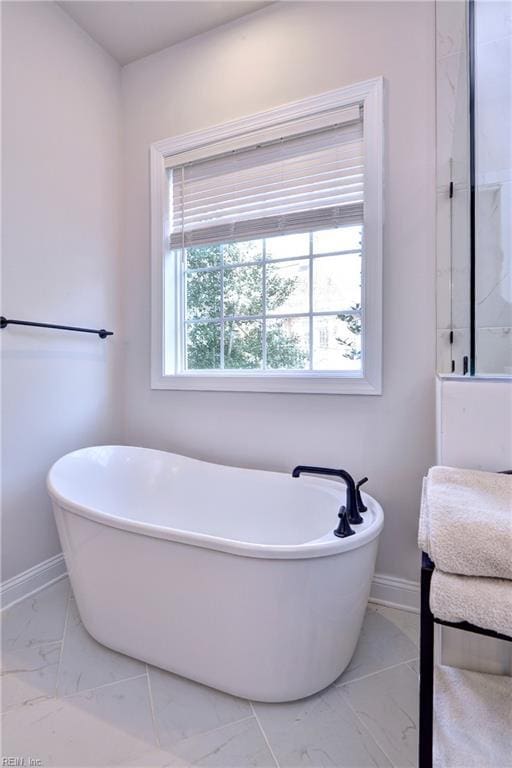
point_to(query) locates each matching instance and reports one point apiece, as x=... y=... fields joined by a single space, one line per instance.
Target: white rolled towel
x=466 y=521
x=487 y=603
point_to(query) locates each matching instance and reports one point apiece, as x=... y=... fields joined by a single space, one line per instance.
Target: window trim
x=370 y=94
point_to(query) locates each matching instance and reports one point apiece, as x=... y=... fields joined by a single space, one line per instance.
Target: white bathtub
x=231 y=577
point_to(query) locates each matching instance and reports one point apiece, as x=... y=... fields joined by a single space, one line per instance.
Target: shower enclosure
x=474 y=187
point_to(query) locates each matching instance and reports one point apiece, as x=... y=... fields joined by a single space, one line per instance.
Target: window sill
x=303 y=383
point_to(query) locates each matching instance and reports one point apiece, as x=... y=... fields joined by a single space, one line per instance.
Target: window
x=268 y=276
x=289 y=303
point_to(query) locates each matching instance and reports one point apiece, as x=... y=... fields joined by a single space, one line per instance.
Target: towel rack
x=101 y=332
x=427 y=621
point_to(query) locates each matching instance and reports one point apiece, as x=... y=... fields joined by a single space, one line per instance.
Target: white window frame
x=366 y=382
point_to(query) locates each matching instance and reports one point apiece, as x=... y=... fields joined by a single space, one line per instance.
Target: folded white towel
x=472 y=719
x=466 y=521
x=484 y=602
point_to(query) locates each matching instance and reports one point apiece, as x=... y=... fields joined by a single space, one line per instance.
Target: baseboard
x=395 y=593
x=385 y=590
x=29 y=582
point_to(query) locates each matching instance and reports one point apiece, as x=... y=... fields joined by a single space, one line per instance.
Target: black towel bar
x=101 y=332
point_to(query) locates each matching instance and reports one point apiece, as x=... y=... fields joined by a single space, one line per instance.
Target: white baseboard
x=385 y=590
x=395 y=593
x=29 y=582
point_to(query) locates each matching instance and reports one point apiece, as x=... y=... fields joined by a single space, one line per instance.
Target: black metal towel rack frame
x=427 y=621
x=101 y=332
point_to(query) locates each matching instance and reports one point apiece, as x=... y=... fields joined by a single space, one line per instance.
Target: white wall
x=60 y=260
x=474 y=423
x=285 y=52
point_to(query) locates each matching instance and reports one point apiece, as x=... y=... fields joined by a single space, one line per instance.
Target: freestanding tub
x=228 y=576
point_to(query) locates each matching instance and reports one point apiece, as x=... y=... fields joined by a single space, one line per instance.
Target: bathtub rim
x=325 y=546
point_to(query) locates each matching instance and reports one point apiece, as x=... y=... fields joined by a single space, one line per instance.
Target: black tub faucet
x=352 y=510
x=361 y=506
x=343 y=530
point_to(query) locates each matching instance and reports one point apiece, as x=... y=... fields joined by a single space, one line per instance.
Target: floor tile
x=36 y=620
x=103 y=713
x=381 y=644
x=238 y=745
x=86 y=663
x=407 y=621
x=321 y=730
x=183 y=708
x=153 y=758
x=29 y=674
x=233 y=746
x=415 y=666
x=98 y=728
x=387 y=704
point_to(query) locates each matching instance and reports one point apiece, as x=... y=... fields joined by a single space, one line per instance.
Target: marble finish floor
x=68 y=701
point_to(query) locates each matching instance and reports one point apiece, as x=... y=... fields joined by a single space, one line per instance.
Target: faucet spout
x=352 y=511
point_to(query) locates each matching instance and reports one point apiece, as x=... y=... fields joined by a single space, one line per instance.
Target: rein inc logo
x=21 y=762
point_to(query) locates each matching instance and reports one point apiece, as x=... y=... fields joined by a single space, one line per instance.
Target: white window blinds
x=301 y=177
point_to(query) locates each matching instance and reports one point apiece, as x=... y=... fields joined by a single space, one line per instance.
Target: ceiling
x=131 y=29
